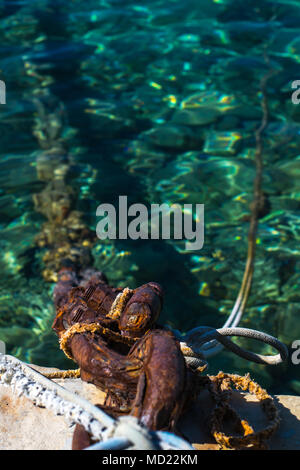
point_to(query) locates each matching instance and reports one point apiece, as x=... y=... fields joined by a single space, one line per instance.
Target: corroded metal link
x=163 y=385
x=96 y=302
x=111 y=335
x=142 y=310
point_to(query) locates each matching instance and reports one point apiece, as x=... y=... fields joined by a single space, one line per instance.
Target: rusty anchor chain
x=113 y=334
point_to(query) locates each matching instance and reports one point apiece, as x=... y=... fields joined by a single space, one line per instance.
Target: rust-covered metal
x=127 y=355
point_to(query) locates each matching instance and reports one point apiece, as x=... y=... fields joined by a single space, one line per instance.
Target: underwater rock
x=197 y=178
x=20 y=28
x=143 y=157
x=290 y=291
x=293 y=49
x=9 y=208
x=247 y=34
x=295 y=385
x=291 y=169
x=203 y=108
x=216 y=100
x=287 y=321
x=12 y=178
x=222 y=143
x=15 y=254
x=228 y=122
x=107 y=119
x=195 y=117
x=20 y=73
x=16 y=334
x=170 y=136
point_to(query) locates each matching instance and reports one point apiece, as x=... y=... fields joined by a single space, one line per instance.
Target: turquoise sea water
x=162 y=101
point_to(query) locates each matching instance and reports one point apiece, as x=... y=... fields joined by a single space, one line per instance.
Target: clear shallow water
x=162 y=102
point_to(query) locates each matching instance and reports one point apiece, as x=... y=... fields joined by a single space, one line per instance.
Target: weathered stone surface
x=25 y=426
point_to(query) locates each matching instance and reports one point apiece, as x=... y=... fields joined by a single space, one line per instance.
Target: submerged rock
x=171 y=136
x=222 y=143
x=195 y=117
